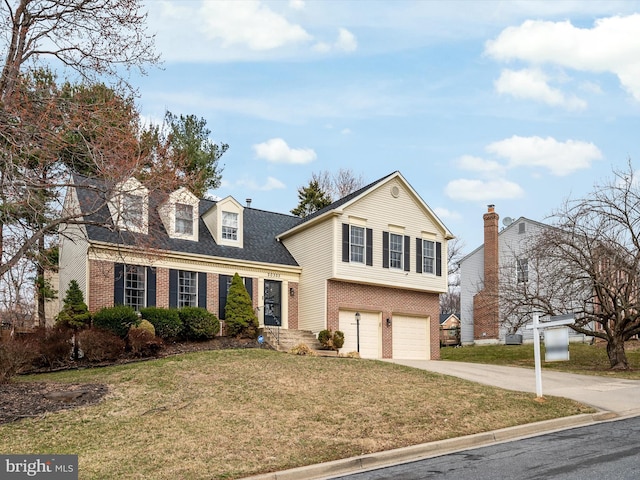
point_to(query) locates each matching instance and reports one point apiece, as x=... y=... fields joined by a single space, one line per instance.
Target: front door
x=272 y=301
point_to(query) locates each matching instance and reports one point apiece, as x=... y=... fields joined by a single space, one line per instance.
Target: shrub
x=324 y=337
x=143 y=343
x=117 y=319
x=100 y=345
x=166 y=322
x=240 y=318
x=198 y=323
x=352 y=355
x=16 y=356
x=331 y=340
x=302 y=349
x=145 y=325
x=53 y=345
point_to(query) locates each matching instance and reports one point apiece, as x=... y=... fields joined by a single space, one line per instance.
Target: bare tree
x=339 y=184
x=95 y=38
x=588 y=264
x=450 y=301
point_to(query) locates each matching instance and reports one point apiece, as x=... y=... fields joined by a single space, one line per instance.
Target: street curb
x=371 y=461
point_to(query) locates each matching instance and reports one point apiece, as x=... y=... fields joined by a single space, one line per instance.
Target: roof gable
x=340 y=205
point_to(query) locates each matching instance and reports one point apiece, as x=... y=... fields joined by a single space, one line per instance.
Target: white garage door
x=410 y=338
x=370 y=338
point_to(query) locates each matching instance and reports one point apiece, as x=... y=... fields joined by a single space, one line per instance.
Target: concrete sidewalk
x=614 y=398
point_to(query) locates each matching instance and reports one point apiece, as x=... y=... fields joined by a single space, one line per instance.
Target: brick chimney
x=485 y=302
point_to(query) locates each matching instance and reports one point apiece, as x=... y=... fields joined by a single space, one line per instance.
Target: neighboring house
x=380 y=252
x=500 y=259
x=449 y=329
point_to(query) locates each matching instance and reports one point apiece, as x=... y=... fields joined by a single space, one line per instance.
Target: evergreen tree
x=240 y=317
x=312 y=198
x=75 y=313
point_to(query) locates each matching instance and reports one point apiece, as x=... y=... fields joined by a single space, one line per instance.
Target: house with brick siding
x=371 y=264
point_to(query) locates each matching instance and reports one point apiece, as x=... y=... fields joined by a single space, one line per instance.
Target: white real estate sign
x=556 y=344
x=536 y=326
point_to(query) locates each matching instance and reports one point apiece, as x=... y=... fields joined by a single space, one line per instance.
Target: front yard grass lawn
x=234 y=413
x=584 y=358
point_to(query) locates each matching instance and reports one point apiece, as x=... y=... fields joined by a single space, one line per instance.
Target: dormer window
x=132 y=210
x=184 y=219
x=230 y=226
x=179 y=214
x=129 y=207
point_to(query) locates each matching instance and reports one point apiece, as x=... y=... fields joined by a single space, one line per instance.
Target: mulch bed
x=20 y=400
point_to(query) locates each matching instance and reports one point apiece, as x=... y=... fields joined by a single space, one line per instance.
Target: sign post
x=536 y=326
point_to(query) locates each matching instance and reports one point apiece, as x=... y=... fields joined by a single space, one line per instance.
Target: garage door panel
x=410 y=338
x=370 y=343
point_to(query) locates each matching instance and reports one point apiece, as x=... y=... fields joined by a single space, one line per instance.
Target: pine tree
x=240 y=318
x=74 y=314
x=312 y=198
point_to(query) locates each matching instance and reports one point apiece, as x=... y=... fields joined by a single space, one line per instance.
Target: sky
x=520 y=104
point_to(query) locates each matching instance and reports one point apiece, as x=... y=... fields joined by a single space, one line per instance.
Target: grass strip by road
x=233 y=413
x=584 y=358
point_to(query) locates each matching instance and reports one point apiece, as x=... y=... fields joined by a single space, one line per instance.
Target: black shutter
x=248 y=284
x=407 y=253
x=385 y=249
x=173 y=288
x=369 y=246
x=345 y=242
x=418 y=255
x=222 y=295
x=202 y=289
x=118 y=284
x=151 y=287
x=438 y=259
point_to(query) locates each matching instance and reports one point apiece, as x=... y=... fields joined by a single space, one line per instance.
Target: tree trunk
x=616 y=353
x=42 y=320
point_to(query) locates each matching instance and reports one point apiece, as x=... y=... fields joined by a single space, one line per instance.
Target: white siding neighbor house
x=485 y=272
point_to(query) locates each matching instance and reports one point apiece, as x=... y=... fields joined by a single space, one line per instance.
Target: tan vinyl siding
x=383 y=212
x=314 y=251
x=72 y=260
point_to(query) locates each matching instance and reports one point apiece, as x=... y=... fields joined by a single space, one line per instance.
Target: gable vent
x=395 y=191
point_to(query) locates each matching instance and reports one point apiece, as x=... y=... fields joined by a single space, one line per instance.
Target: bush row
x=187 y=323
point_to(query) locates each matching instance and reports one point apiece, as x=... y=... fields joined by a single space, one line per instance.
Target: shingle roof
x=260 y=230
x=345 y=199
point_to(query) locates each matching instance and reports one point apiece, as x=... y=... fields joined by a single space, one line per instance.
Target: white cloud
x=610 y=46
x=276 y=150
x=250 y=23
x=480 y=190
x=480 y=165
x=445 y=213
x=533 y=84
x=346 y=41
x=560 y=158
x=345 y=131
x=296 y=4
x=271 y=183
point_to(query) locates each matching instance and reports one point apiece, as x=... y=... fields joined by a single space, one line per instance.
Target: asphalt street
x=604 y=451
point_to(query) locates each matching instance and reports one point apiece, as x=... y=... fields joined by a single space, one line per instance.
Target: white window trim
x=424 y=256
x=391 y=266
x=352 y=244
